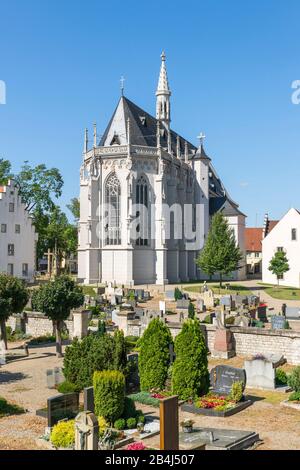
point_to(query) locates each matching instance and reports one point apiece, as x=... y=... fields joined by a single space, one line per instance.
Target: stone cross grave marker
x=169 y=424
x=86 y=431
x=222 y=377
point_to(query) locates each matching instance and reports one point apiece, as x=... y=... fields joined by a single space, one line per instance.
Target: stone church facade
x=146 y=199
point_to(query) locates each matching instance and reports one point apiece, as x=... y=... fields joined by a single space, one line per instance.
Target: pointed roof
x=163 y=84
x=143 y=129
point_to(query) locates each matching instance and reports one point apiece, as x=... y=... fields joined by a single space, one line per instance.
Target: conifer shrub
x=280 y=377
x=191 y=311
x=294 y=379
x=129 y=408
x=177 y=294
x=67 y=387
x=190 y=377
x=154 y=357
x=120 y=424
x=131 y=423
x=94 y=353
x=63 y=434
x=109 y=394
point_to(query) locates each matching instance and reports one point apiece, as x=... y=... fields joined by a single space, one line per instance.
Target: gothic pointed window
x=142 y=197
x=112 y=220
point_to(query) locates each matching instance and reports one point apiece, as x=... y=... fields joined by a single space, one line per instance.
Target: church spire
x=163 y=94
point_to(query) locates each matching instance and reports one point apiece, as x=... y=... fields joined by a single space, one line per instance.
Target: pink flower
x=136 y=446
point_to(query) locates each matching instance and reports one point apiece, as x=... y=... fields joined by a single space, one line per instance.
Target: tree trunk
x=221 y=280
x=3 y=332
x=58 y=339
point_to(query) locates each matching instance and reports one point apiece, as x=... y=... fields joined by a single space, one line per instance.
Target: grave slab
x=223 y=439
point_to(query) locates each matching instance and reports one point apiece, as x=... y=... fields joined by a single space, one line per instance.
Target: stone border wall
x=37 y=324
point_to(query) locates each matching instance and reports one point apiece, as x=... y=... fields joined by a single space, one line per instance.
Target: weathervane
x=122 y=85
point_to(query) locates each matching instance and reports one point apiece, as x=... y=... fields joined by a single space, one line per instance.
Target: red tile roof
x=253 y=237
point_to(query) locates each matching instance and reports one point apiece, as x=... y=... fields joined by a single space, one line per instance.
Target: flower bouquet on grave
x=187 y=425
x=136 y=446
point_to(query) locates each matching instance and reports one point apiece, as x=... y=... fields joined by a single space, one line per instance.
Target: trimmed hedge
x=190 y=377
x=109 y=394
x=154 y=357
x=63 y=434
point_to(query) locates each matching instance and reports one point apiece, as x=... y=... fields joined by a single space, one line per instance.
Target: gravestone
x=278 y=322
x=253 y=300
x=182 y=304
x=54 y=377
x=200 y=305
x=88 y=399
x=146 y=295
x=140 y=294
x=240 y=300
x=2 y=353
x=62 y=406
x=261 y=313
x=133 y=378
x=169 y=295
x=208 y=297
x=162 y=306
x=86 y=431
x=292 y=313
x=260 y=371
x=226 y=301
x=222 y=377
x=169 y=424
x=241 y=321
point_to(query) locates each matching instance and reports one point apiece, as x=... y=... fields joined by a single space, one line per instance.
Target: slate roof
x=144 y=128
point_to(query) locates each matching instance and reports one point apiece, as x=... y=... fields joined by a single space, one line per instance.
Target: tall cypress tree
x=221 y=255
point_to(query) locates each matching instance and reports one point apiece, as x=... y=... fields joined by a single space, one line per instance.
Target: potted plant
x=187 y=425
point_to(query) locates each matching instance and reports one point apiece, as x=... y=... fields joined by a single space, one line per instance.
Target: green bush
x=154 y=358
x=109 y=394
x=295 y=396
x=67 y=387
x=280 y=377
x=229 y=320
x=94 y=353
x=120 y=424
x=129 y=408
x=207 y=320
x=145 y=399
x=140 y=418
x=294 y=379
x=131 y=423
x=177 y=294
x=63 y=434
x=191 y=311
x=190 y=377
x=236 y=392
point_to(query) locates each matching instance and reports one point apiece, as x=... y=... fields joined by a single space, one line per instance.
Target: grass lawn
x=233 y=289
x=282 y=293
x=7 y=409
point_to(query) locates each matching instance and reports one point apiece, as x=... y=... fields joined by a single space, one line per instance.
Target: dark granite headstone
x=140 y=294
x=88 y=399
x=277 y=322
x=62 y=406
x=262 y=313
x=222 y=377
x=133 y=378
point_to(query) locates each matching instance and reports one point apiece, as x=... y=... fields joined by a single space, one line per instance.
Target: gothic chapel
x=140 y=160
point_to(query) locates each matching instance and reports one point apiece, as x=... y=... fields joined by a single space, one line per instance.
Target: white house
x=17 y=235
x=285 y=236
x=141 y=161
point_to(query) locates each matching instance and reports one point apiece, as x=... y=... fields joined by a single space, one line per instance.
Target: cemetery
x=135 y=360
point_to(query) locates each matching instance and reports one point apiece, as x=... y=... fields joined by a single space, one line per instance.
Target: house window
x=257 y=253
x=143 y=199
x=3 y=228
x=294 y=234
x=11 y=207
x=280 y=248
x=24 y=269
x=112 y=212
x=17 y=228
x=10 y=269
x=11 y=249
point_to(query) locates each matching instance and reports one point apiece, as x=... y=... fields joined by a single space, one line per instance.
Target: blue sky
x=230 y=67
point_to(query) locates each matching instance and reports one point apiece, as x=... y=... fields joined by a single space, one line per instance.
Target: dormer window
x=143 y=120
x=115 y=140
